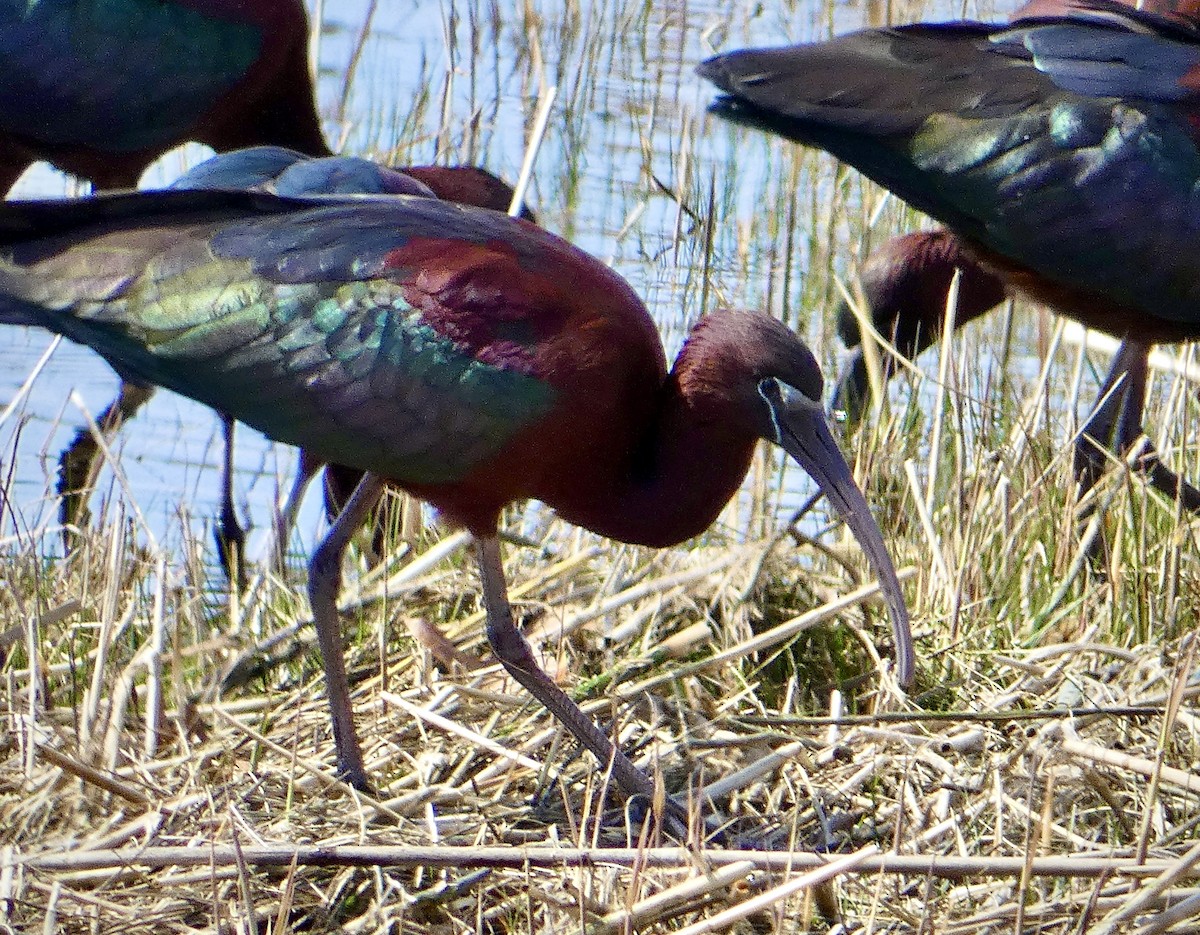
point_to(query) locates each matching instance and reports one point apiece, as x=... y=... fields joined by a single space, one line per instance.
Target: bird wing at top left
x=150 y=69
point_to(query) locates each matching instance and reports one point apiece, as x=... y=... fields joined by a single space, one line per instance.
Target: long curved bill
x=803 y=432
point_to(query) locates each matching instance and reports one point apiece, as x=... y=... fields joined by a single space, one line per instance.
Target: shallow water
x=629 y=143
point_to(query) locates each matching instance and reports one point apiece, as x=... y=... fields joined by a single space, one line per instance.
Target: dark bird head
x=771 y=377
x=468 y=185
x=906 y=284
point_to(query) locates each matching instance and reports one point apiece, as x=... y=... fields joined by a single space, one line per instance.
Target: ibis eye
x=769 y=390
x=772 y=394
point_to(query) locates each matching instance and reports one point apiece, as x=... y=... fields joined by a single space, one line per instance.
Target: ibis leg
x=285 y=517
x=393 y=514
x=324 y=581
x=513 y=651
x=229 y=534
x=1119 y=399
x=1116 y=424
x=79 y=463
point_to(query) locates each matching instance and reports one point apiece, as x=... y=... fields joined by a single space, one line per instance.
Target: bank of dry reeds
x=167 y=759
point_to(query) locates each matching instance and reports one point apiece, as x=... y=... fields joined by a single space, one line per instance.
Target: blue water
x=624 y=122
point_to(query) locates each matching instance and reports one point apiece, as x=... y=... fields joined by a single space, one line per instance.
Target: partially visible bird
x=471 y=358
x=906 y=283
x=1060 y=151
x=101 y=90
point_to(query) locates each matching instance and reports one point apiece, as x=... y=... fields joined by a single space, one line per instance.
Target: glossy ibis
x=471 y=358
x=905 y=284
x=1060 y=150
x=101 y=90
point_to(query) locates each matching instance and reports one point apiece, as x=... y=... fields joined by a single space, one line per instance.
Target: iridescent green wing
x=398 y=335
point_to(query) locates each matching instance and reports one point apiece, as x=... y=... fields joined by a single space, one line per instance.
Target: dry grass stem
x=1180 y=779
x=343 y=855
x=783 y=891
